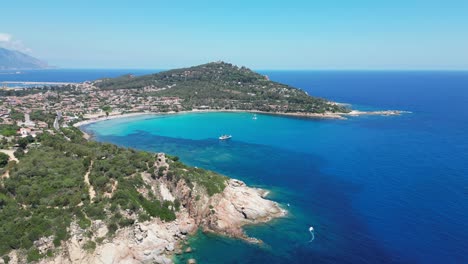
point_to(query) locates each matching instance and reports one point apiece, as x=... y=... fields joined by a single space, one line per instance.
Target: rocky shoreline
x=156 y=241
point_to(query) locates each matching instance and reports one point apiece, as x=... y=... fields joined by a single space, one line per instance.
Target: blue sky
x=348 y=34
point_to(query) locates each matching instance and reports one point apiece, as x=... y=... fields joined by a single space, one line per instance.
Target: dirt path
x=12 y=157
x=115 y=183
x=92 y=193
x=9 y=152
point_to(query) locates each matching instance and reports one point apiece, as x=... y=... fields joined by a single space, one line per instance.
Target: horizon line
x=255 y=69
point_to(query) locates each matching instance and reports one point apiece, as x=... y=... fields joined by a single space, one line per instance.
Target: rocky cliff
x=155 y=241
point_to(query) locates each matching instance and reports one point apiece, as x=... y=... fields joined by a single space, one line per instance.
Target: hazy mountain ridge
x=16 y=60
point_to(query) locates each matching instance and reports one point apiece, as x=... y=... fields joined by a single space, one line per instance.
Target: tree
x=30 y=139
x=23 y=142
x=4 y=158
x=106 y=109
x=16 y=115
x=8 y=130
x=19 y=153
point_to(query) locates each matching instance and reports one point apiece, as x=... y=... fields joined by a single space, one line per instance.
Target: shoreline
x=330 y=115
x=237 y=206
x=229 y=208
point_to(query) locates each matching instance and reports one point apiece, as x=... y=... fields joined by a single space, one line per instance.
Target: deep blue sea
x=376 y=189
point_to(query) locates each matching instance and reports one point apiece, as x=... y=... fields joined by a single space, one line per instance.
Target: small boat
x=225 y=137
x=254 y=117
x=311 y=229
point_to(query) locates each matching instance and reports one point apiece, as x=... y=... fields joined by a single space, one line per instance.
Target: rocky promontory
x=155 y=240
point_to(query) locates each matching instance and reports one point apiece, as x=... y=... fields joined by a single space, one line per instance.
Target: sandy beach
x=330 y=115
x=115 y=116
x=103 y=117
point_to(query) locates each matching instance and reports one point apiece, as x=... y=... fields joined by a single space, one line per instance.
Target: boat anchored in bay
x=225 y=137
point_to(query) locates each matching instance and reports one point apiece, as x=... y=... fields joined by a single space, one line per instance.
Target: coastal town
x=32 y=111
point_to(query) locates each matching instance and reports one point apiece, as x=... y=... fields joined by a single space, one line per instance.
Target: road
x=56 y=124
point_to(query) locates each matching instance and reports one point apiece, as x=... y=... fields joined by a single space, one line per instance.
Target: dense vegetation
x=212 y=182
x=18 y=92
x=39 y=198
x=39 y=115
x=35 y=90
x=16 y=115
x=46 y=190
x=8 y=130
x=221 y=85
x=3 y=159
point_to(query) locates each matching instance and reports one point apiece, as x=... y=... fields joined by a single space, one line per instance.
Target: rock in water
x=239 y=205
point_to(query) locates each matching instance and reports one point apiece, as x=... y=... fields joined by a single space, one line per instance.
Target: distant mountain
x=13 y=60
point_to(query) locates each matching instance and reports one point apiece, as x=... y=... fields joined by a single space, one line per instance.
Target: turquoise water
x=376 y=189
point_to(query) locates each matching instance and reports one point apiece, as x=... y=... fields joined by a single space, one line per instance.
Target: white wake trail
x=312 y=234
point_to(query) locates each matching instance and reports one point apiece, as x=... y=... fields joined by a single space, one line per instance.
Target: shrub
x=8 y=130
x=33 y=255
x=4 y=158
x=89 y=246
x=19 y=153
x=6 y=259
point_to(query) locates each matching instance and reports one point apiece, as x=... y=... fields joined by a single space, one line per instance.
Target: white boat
x=225 y=137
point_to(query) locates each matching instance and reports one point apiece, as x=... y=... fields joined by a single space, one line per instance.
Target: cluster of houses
x=78 y=101
x=131 y=100
x=5 y=115
x=26 y=128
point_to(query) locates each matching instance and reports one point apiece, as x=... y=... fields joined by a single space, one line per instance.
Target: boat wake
x=311 y=230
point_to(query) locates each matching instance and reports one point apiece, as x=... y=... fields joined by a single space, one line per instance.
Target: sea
x=376 y=189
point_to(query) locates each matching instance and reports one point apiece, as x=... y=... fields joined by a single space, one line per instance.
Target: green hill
x=220 y=85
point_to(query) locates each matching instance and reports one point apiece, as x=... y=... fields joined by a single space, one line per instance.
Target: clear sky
x=287 y=34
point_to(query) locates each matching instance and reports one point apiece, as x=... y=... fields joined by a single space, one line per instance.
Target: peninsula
x=219 y=86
